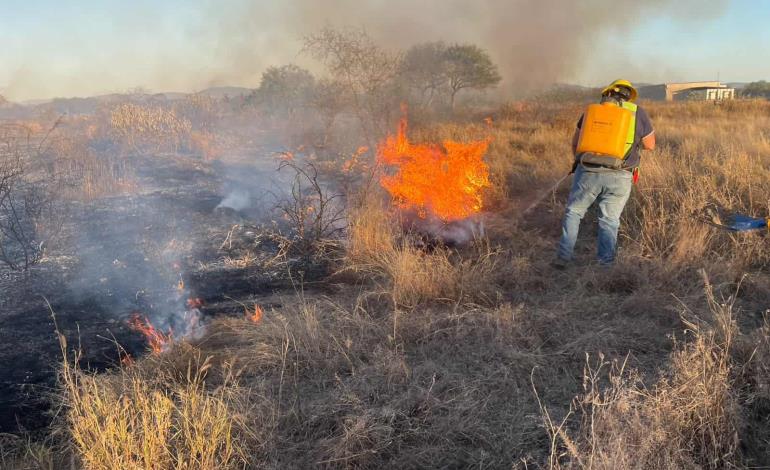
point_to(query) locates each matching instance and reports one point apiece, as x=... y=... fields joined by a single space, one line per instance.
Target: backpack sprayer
x=606 y=135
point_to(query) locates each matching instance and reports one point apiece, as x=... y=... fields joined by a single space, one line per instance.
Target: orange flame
x=444 y=181
x=126 y=360
x=156 y=339
x=195 y=302
x=256 y=316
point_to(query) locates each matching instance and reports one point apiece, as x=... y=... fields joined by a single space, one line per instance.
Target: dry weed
x=129 y=420
x=690 y=418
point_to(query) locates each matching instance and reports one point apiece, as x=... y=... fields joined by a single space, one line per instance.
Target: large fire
x=442 y=181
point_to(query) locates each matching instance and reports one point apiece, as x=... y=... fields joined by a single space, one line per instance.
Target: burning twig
x=156 y=339
x=127 y=360
x=195 y=303
x=256 y=315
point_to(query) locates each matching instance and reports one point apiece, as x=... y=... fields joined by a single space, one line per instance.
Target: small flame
x=126 y=360
x=194 y=303
x=443 y=181
x=256 y=315
x=156 y=339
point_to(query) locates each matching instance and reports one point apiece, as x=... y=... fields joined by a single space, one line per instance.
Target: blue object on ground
x=742 y=223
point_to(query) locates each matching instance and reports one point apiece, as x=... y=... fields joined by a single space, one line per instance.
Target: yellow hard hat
x=621 y=83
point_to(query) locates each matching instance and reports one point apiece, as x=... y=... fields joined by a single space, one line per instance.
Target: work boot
x=560 y=263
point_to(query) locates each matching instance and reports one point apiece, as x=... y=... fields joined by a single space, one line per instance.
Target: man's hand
x=648 y=143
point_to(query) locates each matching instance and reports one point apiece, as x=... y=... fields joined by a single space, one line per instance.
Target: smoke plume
x=535 y=42
x=213 y=43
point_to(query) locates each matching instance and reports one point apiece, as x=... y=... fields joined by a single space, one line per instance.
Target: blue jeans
x=611 y=189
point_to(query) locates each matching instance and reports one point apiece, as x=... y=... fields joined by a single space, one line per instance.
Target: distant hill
x=226 y=91
x=79 y=105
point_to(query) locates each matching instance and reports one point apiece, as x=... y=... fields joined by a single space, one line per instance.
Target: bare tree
x=365 y=71
x=30 y=213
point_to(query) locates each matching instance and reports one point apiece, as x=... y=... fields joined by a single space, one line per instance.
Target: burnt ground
x=144 y=252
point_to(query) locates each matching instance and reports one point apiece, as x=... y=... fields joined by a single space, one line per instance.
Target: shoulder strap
x=631 y=136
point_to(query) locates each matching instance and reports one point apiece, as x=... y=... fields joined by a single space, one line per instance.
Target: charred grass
x=481 y=356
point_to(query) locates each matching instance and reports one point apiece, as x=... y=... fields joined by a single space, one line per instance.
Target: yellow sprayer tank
x=604 y=130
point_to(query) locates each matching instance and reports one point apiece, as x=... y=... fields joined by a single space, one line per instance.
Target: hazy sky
x=85 y=47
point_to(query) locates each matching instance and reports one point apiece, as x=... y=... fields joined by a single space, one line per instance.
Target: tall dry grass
x=140 y=419
x=689 y=418
x=410 y=274
x=708 y=157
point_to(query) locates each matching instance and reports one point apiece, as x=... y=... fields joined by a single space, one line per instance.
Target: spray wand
x=545 y=194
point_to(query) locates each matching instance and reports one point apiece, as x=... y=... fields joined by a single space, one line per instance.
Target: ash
x=195 y=239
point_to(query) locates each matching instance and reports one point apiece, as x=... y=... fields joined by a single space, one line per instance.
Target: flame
x=255 y=316
x=126 y=360
x=444 y=181
x=156 y=339
x=195 y=302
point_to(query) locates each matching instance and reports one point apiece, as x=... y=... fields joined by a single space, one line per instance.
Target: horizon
x=148 y=92
x=90 y=48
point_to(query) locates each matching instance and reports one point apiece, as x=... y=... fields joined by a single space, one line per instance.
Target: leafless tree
x=30 y=214
x=365 y=71
x=329 y=100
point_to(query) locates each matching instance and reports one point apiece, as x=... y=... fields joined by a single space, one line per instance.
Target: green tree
x=285 y=89
x=469 y=66
x=760 y=89
x=423 y=69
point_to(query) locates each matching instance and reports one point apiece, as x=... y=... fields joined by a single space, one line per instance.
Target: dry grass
x=690 y=418
x=142 y=129
x=411 y=275
x=139 y=419
x=428 y=360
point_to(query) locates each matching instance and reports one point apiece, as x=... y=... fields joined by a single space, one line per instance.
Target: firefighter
x=606 y=146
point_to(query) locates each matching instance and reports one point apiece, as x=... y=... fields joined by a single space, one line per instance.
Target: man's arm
x=648 y=142
x=576 y=135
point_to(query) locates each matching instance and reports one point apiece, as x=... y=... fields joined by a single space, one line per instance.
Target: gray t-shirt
x=643 y=129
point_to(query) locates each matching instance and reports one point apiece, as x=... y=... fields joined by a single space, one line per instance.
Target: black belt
x=592 y=165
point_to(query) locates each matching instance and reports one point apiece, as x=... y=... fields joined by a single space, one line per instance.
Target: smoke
x=455 y=233
x=237 y=199
x=535 y=42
